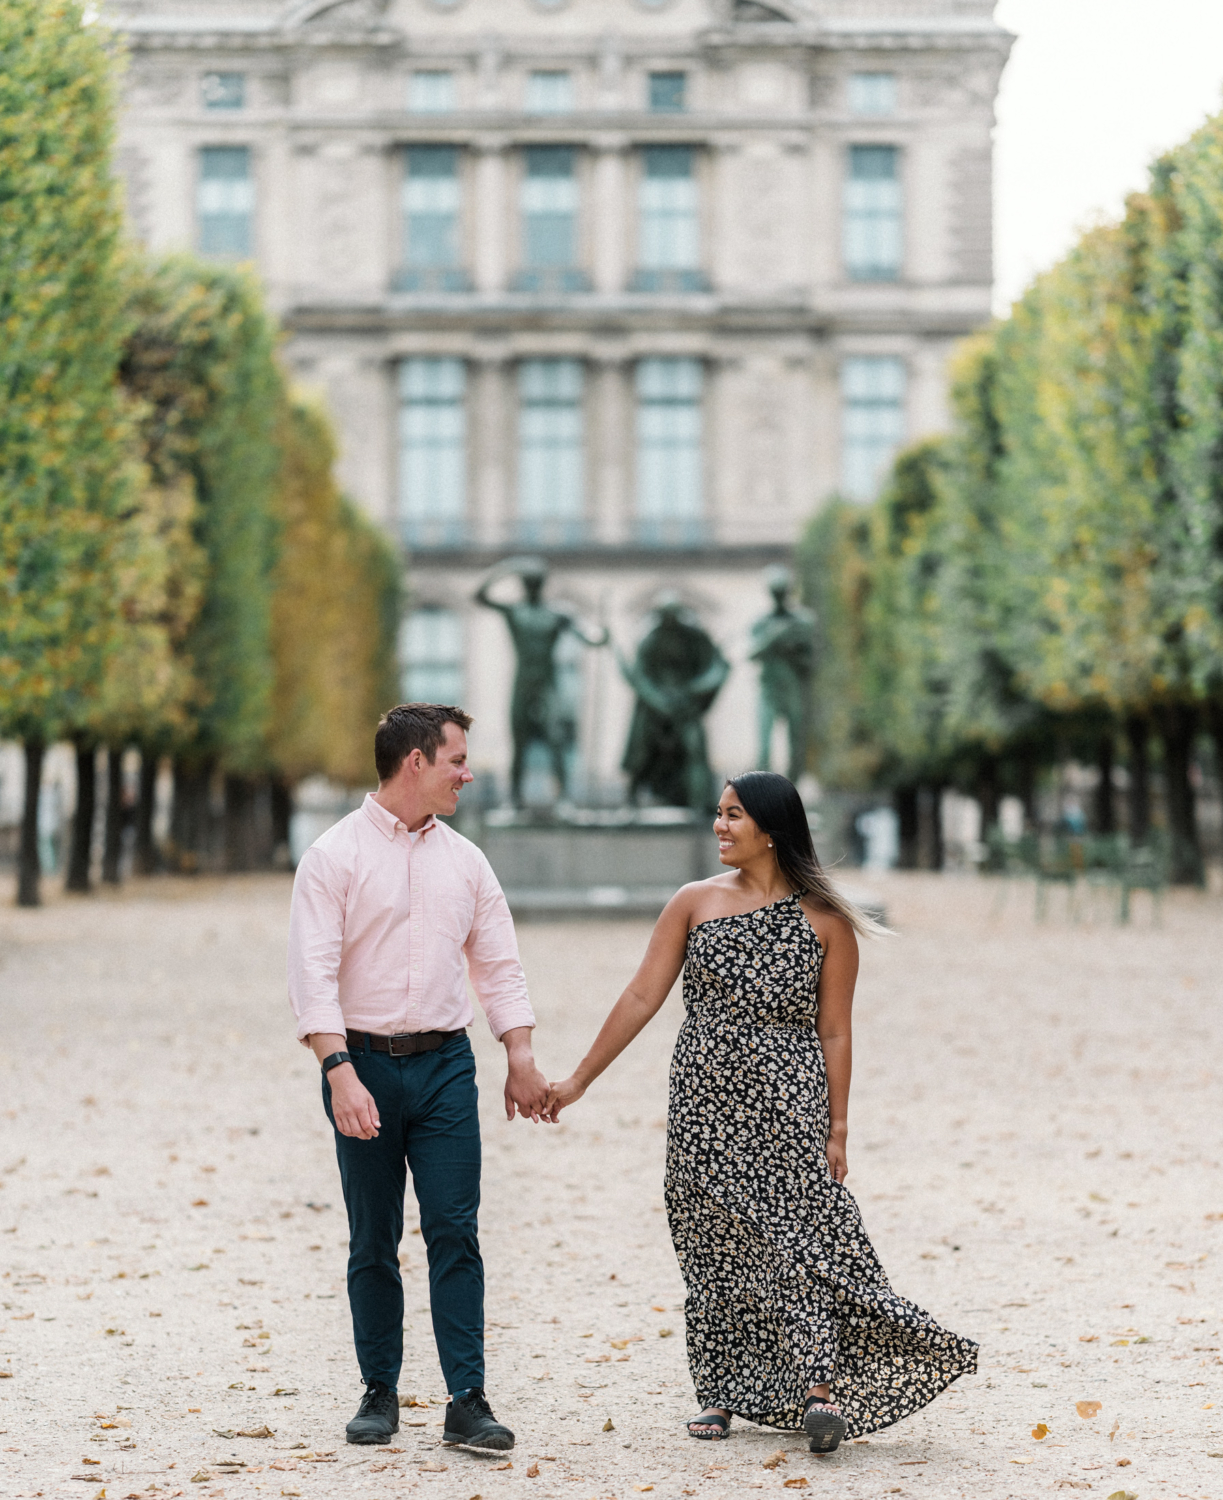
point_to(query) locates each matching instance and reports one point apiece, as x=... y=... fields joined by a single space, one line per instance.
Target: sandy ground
x=1034 y=1137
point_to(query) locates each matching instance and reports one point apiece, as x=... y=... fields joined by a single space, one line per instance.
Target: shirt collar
x=387 y=824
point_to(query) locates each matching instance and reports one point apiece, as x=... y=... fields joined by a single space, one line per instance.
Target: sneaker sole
x=495 y=1442
x=825 y=1429
x=366 y=1439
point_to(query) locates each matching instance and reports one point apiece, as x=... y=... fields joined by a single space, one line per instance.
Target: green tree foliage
x=65 y=470
x=1053 y=569
x=334 y=616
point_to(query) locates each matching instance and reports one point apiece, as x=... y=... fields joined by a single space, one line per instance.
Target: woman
x=791 y=1321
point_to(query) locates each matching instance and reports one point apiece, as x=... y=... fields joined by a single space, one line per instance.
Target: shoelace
x=476 y=1402
x=377 y=1401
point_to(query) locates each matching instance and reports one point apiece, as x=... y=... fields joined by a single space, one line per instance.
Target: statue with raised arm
x=538 y=713
x=677 y=673
x=783 y=642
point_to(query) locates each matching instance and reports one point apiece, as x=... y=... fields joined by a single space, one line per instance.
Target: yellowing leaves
x=1087 y=1409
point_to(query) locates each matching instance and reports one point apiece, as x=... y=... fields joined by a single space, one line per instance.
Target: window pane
x=225 y=201
x=431 y=201
x=667 y=93
x=872 y=422
x=670 y=490
x=873 y=229
x=549 y=203
x=549 y=93
x=223 y=90
x=431 y=93
x=433 y=451
x=668 y=209
x=551 y=451
x=872 y=93
x=431 y=656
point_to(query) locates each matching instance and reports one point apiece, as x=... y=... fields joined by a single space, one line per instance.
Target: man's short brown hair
x=413 y=726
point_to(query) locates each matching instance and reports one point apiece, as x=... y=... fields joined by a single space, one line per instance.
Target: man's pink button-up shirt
x=380 y=924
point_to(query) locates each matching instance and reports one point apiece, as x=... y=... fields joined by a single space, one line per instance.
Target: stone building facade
x=633 y=284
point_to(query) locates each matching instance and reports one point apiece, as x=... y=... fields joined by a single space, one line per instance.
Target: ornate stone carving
x=337 y=13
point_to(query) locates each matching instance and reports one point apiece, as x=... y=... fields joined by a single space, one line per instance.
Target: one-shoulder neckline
x=739 y=916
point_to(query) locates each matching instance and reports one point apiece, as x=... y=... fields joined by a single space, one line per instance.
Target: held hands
x=526 y=1090
x=561 y=1095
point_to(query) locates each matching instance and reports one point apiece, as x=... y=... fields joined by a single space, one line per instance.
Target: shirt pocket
x=452 y=912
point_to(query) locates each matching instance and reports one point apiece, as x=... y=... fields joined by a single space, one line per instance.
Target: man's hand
x=526 y=1088
x=352 y=1104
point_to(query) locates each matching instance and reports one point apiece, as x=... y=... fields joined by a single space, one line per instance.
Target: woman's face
x=740 y=839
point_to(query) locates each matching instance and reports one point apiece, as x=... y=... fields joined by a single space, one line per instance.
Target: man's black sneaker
x=377 y=1418
x=470 y=1421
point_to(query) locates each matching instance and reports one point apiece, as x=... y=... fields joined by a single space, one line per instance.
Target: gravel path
x=1034 y=1137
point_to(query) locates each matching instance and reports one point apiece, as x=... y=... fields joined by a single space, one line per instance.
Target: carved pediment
x=359 y=14
x=759 y=10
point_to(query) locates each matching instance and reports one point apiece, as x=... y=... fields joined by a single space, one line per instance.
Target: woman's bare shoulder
x=700 y=899
x=830 y=926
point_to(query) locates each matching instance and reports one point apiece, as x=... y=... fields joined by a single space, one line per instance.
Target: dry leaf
x=775 y=1458
x=506 y=1465
x=201 y=1478
x=6 y=1374
x=1087 y=1408
x=533 y=1472
x=433 y=1468
x=797 y=1483
x=609 y=1426
x=1023 y=1460
x=664 y=1333
x=1089 y=1338
x=1123 y=1495
x=643 y=1488
x=1115 y=1431
x=1040 y=1432
x=598 y=1359
x=199 y=1203
x=257 y=1432
x=1123 y=1463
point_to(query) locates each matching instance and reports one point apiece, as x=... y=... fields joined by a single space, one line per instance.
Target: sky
x=1094 y=89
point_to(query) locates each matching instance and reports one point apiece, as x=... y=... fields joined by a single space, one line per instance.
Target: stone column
x=490 y=216
x=611 y=413
x=491 y=435
x=609 y=214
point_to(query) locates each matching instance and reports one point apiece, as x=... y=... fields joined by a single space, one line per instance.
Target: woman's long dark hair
x=773 y=804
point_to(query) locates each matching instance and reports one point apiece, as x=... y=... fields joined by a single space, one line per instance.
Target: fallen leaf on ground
x=1023 y=1460
x=1087 y=1408
x=643 y=1488
x=664 y=1333
x=609 y=1425
x=774 y=1459
x=508 y=1464
x=201 y=1478
x=1123 y=1463
x=199 y=1203
x=533 y=1472
x=433 y=1468
x=1123 y=1495
x=1040 y=1432
x=225 y=1432
x=797 y=1483
x=257 y=1432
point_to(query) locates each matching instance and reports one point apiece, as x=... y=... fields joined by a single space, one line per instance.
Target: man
x=386 y=904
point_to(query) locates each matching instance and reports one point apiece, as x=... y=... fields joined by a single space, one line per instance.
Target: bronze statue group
x=676 y=673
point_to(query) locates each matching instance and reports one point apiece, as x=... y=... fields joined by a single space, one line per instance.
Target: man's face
x=440 y=783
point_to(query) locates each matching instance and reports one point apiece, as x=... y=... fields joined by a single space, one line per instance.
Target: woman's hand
x=560 y=1095
x=838 y=1165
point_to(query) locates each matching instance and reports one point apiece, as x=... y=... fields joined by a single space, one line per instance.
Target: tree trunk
x=80 y=856
x=904 y=799
x=1138 y=735
x=239 y=817
x=282 y=813
x=1214 y=724
x=112 y=840
x=930 y=822
x=1026 y=788
x=191 y=816
x=29 y=870
x=987 y=796
x=1178 y=729
x=1106 y=805
x=145 y=850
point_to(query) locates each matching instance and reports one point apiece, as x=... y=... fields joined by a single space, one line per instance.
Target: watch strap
x=334 y=1060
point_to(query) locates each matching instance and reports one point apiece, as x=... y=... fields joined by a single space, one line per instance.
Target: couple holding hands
x=791 y=1321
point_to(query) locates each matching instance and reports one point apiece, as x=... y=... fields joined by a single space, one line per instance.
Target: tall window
x=551 y=451
x=432 y=202
x=872 y=421
x=669 y=452
x=223 y=90
x=431 y=92
x=667 y=93
x=549 y=206
x=225 y=202
x=431 y=656
x=874 y=238
x=872 y=93
x=433 y=451
x=668 y=230
x=549 y=93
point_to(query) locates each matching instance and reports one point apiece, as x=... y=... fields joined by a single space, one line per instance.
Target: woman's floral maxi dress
x=784 y=1289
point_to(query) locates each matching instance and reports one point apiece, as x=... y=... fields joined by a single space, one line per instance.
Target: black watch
x=335 y=1060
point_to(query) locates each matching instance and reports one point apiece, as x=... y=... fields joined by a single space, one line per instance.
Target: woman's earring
x=770 y=843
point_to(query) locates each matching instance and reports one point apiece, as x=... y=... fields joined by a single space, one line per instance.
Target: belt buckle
x=409 y=1045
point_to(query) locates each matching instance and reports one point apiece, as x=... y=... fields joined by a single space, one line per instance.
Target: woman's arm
x=832 y=1026
x=636 y=1007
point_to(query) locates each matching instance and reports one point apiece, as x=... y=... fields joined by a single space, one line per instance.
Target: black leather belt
x=405 y=1044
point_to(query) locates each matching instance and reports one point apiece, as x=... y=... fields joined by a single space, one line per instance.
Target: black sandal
x=823 y=1424
x=709 y=1419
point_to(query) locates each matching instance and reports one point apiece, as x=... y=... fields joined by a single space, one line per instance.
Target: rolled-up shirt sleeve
x=493 y=964
x=316 y=940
